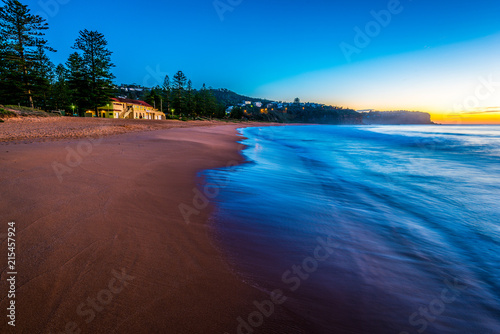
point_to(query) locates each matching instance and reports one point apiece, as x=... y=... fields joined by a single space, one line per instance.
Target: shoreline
x=110 y=216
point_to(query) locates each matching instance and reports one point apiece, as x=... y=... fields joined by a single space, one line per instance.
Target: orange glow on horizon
x=466 y=118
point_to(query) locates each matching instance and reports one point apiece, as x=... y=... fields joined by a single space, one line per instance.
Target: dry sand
x=29 y=129
x=116 y=207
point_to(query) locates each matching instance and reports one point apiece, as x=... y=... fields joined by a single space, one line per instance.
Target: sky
x=441 y=57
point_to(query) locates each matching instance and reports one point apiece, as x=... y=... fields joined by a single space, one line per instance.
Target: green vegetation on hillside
x=297 y=113
x=229 y=98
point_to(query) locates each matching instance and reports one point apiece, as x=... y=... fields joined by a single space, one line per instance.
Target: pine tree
x=166 y=94
x=42 y=76
x=212 y=105
x=21 y=35
x=202 y=101
x=154 y=97
x=96 y=60
x=78 y=86
x=60 y=90
x=179 y=87
x=199 y=103
x=7 y=76
x=190 y=102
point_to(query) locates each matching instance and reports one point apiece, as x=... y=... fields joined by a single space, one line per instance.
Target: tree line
x=29 y=78
x=177 y=97
x=85 y=80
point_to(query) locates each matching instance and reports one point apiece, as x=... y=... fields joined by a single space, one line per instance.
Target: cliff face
x=397 y=117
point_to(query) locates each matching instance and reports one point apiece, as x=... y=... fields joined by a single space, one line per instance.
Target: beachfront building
x=127 y=108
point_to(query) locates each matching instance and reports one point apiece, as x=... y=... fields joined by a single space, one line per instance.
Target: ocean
x=368 y=229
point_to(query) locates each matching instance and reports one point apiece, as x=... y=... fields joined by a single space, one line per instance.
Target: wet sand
x=102 y=246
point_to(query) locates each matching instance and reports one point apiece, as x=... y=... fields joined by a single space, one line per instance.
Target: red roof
x=130 y=101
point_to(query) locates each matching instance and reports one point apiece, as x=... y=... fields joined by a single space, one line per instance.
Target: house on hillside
x=127 y=108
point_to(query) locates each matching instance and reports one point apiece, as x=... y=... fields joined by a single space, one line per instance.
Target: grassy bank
x=10 y=111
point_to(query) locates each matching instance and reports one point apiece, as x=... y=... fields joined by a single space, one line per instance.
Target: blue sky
x=260 y=46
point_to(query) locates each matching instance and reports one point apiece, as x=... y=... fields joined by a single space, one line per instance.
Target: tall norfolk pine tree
x=166 y=92
x=178 y=99
x=21 y=46
x=78 y=83
x=42 y=76
x=60 y=89
x=96 y=67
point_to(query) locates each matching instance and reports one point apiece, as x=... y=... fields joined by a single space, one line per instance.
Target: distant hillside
x=224 y=96
x=229 y=104
x=397 y=117
x=229 y=98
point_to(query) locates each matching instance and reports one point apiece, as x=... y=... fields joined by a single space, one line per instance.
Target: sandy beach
x=31 y=129
x=101 y=245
